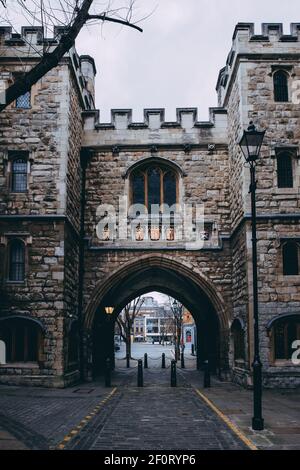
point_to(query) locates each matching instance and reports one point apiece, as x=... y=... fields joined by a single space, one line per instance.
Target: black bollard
x=163 y=361
x=193 y=350
x=127 y=361
x=145 y=361
x=182 y=360
x=107 y=373
x=173 y=374
x=140 y=380
x=206 y=377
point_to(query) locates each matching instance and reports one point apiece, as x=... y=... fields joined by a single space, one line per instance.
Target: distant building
x=153 y=323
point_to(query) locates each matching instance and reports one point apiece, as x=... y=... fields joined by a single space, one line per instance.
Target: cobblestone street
x=155 y=417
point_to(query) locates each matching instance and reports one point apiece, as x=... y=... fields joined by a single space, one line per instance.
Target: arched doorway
x=165 y=275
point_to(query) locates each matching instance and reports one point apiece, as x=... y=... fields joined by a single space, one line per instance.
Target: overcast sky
x=176 y=60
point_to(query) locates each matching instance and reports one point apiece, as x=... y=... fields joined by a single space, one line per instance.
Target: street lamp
x=109 y=310
x=250 y=144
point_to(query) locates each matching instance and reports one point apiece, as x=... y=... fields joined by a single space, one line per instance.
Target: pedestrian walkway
x=158 y=418
x=90 y=416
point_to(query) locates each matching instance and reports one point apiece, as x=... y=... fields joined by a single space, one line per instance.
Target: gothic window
x=238 y=340
x=285 y=170
x=19 y=175
x=281 y=93
x=285 y=333
x=16 y=261
x=22 y=339
x=290 y=261
x=154 y=185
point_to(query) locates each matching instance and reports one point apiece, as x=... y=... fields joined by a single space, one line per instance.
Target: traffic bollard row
x=182 y=361
x=206 y=377
x=173 y=373
x=140 y=379
x=163 y=361
x=145 y=361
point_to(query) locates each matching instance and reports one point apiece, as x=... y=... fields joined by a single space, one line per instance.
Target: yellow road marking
x=226 y=420
x=84 y=421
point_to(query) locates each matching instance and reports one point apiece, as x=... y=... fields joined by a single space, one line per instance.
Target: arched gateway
x=163 y=274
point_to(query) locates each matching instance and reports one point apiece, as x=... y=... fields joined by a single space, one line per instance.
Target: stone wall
x=47 y=216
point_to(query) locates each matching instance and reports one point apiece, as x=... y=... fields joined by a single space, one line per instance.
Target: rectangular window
x=18 y=171
x=24 y=101
x=285 y=170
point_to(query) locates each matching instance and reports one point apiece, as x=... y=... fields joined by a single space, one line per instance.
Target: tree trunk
x=128 y=345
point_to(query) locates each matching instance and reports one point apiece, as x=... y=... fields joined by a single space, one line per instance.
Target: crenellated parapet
x=32 y=44
x=29 y=35
x=269 y=43
x=154 y=128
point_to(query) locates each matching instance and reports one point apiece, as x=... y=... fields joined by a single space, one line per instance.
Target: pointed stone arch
x=159 y=262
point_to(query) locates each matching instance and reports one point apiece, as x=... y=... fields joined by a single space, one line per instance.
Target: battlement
x=269 y=44
x=154 y=130
x=269 y=32
x=154 y=119
x=30 y=43
x=32 y=35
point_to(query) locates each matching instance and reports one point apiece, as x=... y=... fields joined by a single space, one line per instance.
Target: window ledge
x=20 y=365
x=286 y=191
x=293 y=278
x=284 y=363
x=22 y=195
x=15 y=283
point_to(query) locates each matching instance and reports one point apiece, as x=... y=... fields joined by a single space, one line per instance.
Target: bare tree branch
x=79 y=17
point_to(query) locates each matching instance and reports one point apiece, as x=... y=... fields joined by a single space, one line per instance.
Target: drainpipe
x=84 y=159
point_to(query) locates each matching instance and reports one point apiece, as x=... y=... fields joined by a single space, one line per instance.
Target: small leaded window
x=290 y=259
x=281 y=92
x=23 y=101
x=285 y=332
x=19 y=175
x=17 y=261
x=285 y=170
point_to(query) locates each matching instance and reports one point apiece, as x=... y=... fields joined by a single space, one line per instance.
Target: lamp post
x=109 y=313
x=250 y=144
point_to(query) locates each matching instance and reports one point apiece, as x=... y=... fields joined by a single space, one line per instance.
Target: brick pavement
x=156 y=417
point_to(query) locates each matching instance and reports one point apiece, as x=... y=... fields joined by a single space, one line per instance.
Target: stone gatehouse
x=62 y=171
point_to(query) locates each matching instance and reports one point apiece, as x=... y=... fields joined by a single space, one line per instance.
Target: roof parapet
x=154 y=119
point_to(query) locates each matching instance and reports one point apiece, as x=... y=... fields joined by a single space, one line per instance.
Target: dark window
x=154 y=196
x=138 y=189
x=16 y=261
x=290 y=259
x=154 y=185
x=23 y=101
x=19 y=175
x=285 y=170
x=285 y=332
x=169 y=188
x=22 y=339
x=281 y=93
